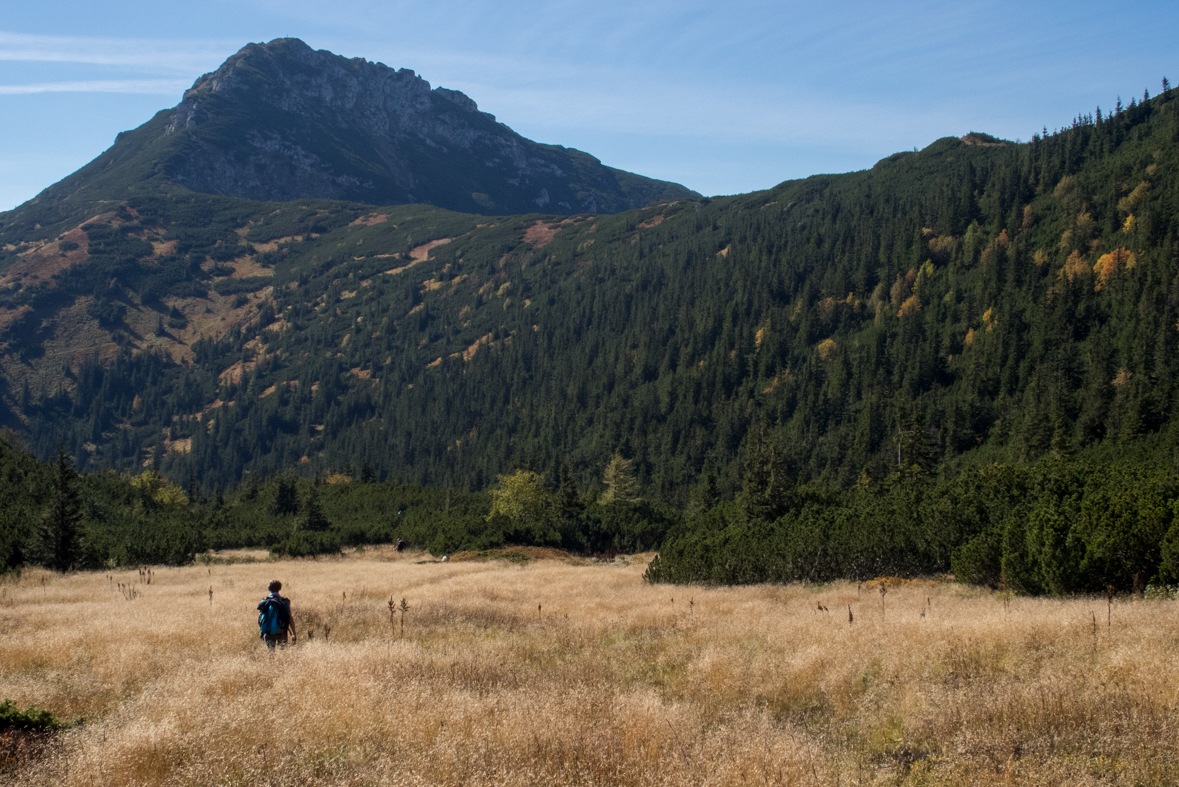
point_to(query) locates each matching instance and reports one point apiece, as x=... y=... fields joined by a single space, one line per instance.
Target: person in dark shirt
x=286 y=618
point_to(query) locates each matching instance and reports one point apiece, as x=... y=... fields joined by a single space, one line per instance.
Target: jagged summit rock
x=288 y=74
x=282 y=121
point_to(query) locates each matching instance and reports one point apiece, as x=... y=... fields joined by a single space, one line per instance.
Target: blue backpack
x=273 y=616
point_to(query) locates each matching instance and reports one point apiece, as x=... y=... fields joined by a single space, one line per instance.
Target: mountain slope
x=971 y=302
x=280 y=121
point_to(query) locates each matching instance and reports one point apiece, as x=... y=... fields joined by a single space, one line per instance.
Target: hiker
x=275 y=619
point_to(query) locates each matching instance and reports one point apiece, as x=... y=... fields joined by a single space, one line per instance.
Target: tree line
x=52 y=515
x=1059 y=526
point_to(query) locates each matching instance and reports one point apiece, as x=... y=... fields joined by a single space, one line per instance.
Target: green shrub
x=32 y=719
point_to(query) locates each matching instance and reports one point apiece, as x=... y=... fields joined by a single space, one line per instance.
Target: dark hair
x=274 y=586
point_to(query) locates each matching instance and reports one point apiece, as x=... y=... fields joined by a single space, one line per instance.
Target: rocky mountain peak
x=281 y=121
x=289 y=75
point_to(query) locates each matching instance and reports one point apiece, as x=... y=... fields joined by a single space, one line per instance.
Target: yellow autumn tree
x=156 y=490
x=911 y=306
x=988 y=319
x=1135 y=199
x=1074 y=267
x=827 y=350
x=621 y=485
x=1109 y=265
x=521 y=497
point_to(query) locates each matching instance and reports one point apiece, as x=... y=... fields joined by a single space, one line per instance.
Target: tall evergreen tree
x=195 y=495
x=286 y=497
x=60 y=538
x=313 y=516
x=765 y=493
x=705 y=494
x=567 y=498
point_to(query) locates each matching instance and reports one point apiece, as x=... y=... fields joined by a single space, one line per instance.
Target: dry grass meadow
x=559 y=672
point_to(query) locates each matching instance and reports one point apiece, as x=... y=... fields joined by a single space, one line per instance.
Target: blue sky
x=722 y=97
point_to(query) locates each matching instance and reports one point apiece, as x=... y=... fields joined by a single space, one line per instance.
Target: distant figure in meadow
x=275 y=620
x=400 y=545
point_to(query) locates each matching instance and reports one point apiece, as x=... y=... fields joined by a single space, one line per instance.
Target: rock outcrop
x=281 y=121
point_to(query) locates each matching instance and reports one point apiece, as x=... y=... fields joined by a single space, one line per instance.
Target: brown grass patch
x=469 y=353
x=517 y=554
x=40 y=263
x=274 y=244
x=420 y=253
x=540 y=234
x=562 y=672
x=181 y=445
x=370 y=219
x=244 y=555
x=9 y=316
x=245 y=268
x=233 y=375
x=163 y=248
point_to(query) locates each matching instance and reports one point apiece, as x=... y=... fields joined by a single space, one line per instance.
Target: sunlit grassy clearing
x=557 y=673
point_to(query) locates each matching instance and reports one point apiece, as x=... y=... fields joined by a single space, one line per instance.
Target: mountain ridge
x=280 y=121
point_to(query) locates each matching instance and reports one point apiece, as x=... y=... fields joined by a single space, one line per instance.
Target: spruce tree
x=705 y=495
x=567 y=493
x=60 y=539
x=286 y=497
x=313 y=517
x=765 y=495
x=195 y=495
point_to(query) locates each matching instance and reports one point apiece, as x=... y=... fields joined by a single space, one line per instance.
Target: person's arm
x=291 y=623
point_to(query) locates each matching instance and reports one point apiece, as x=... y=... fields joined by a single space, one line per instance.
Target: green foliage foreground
x=31 y=719
x=1056 y=527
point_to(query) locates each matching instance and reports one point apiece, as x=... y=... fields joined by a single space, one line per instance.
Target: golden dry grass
x=610 y=681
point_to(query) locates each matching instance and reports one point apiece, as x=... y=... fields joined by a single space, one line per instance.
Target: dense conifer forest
x=962 y=359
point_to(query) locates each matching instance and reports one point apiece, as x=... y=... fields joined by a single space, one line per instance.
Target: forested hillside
x=977 y=300
x=961 y=359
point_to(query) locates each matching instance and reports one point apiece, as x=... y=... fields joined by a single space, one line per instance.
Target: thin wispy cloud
x=137 y=86
x=178 y=56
